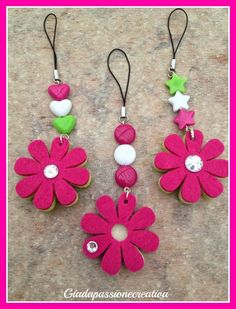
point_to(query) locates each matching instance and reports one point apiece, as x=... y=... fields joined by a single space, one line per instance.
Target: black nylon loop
x=174 y=50
x=51 y=42
x=123 y=95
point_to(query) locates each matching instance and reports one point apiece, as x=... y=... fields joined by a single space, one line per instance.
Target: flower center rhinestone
x=92 y=246
x=119 y=232
x=194 y=163
x=51 y=171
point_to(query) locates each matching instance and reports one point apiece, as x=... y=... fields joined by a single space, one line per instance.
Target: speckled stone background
x=45 y=249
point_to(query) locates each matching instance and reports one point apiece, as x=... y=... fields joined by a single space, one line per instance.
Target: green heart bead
x=65 y=124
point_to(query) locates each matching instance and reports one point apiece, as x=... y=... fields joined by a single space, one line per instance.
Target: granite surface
x=45 y=255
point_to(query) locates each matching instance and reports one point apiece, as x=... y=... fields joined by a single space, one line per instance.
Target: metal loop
x=66 y=136
x=57 y=81
x=123 y=120
x=127 y=190
x=170 y=72
x=191 y=130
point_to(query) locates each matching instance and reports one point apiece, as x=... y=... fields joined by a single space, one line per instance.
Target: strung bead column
x=61 y=106
x=125 y=155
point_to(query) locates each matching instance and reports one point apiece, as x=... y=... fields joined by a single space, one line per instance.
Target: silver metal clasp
x=56 y=77
x=123 y=115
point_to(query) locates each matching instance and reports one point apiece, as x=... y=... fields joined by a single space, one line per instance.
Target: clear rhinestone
x=51 y=171
x=194 y=163
x=92 y=246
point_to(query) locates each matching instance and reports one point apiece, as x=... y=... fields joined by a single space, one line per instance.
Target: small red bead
x=126 y=176
x=124 y=134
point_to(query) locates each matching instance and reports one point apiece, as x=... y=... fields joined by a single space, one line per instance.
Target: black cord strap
x=123 y=95
x=51 y=42
x=174 y=50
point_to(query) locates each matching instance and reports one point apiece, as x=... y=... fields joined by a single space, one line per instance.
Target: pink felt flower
x=105 y=242
x=52 y=176
x=191 y=167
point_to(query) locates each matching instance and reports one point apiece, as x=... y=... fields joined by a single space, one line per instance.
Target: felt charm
x=190 y=167
x=176 y=83
x=112 y=246
x=51 y=176
x=179 y=101
x=126 y=176
x=60 y=108
x=125 y=134
x=65 y=124
x=184 y=119
x=59 y=91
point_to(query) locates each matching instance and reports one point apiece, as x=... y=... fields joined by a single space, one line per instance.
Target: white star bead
x=179 y=101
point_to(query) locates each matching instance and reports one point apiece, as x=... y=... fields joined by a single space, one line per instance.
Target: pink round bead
x=124 y=134
x=59 y=91
x=126 y=176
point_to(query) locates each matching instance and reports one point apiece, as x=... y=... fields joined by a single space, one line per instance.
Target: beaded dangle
x=119 y=232
x=54 y=175
x=186 y=164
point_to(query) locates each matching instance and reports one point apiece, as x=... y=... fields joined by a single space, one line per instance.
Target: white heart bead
x=125 y=154
x=60 y=108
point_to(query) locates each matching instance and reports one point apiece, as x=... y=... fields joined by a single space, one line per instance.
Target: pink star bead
x=184 y=118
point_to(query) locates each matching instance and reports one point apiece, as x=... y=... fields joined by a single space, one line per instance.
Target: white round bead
x=51 y=171
x=125 y=154
x=194 y=163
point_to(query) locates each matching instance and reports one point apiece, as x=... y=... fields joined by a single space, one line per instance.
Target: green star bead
x=176 y=83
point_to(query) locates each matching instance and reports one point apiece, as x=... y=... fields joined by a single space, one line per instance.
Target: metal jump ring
x=66 y=136
x=191 y=130
x=127 y=190
x=123 y=119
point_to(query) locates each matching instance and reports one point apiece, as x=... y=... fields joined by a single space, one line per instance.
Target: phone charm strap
x=52 y=176
x=120 y=232
x=188 y=166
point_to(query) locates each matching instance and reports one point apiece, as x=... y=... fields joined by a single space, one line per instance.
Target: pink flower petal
x=212 y=149
x=75 y=157
x=78 y=176
x=217 y=167
x=143 y=218
x=44 y=196
x=133 y=258
x=94 y=224
x=38 y=151
x=167 y=161
x=170 y=181
x=59 y=148
x=65 y=193
x=175 y=144
x=126 y=207
x=145 y=240
x=107 y=208
x=26 y=166
x=103 y=241
x=190 y=191
x=28 y=185
x=210 y=185
x=111 y=261
x=194 y=145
